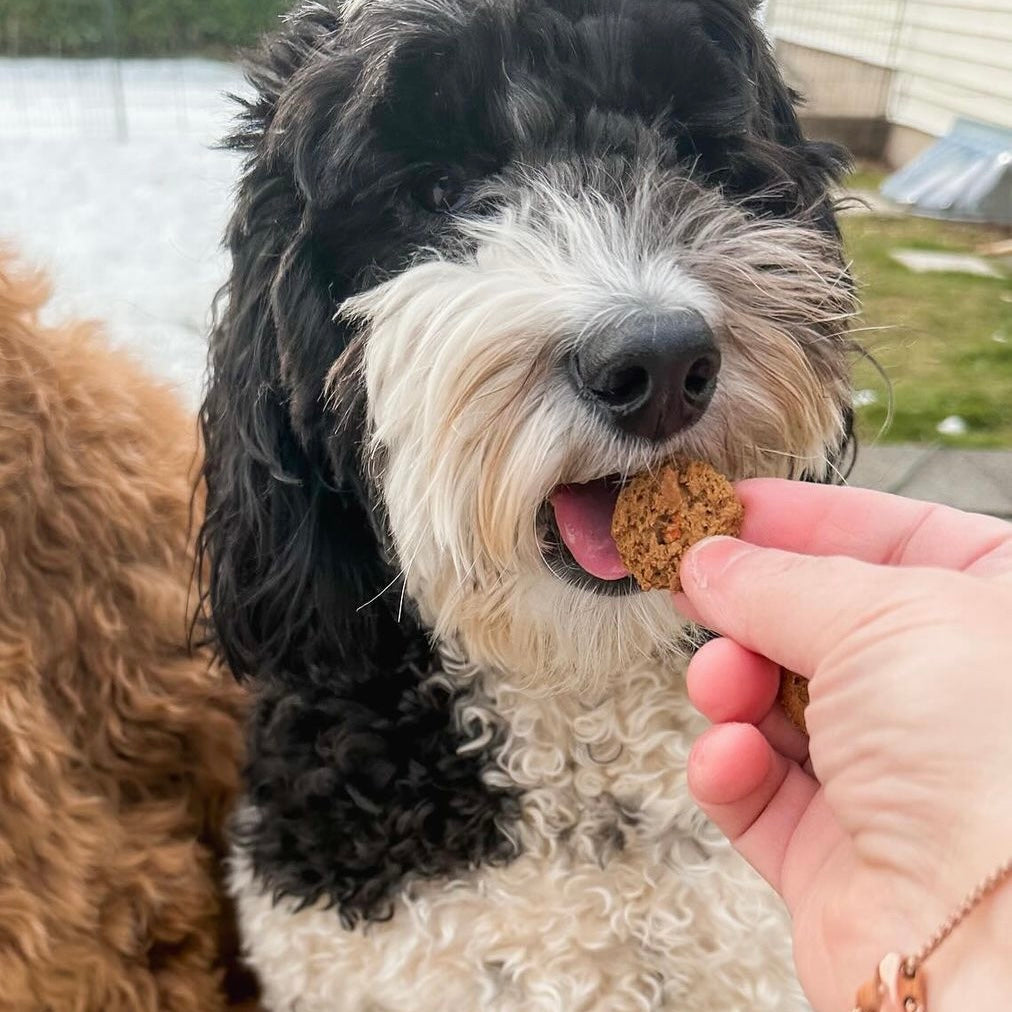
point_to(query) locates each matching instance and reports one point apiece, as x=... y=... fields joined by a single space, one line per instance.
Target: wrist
x=972 y=969
x=958 y=934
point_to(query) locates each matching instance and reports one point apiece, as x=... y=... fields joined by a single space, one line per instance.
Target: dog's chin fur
x=460 y=761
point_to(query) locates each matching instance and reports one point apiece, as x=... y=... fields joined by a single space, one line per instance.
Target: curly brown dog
x=120 y=749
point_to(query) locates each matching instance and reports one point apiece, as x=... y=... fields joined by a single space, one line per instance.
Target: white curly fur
x=624 y=899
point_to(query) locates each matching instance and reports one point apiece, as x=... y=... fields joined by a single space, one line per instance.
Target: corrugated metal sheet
x=966 y=176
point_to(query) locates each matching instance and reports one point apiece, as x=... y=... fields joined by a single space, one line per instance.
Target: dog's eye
x=440 y=192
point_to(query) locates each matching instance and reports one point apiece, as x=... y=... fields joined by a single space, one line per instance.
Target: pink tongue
x=583 y=515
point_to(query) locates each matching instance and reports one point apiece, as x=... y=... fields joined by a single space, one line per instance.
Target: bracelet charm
x=898 y=986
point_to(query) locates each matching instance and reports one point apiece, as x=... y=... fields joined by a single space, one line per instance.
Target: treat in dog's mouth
x=661 y=514
x=576 y=532
x=612 y=536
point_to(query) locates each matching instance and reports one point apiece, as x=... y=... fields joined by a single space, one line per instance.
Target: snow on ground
x=109 y=180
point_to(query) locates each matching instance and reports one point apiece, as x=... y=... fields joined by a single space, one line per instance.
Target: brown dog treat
x=660 y=516
x=793 y=698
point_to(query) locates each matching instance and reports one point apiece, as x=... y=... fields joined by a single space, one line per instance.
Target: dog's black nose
x=655 y=380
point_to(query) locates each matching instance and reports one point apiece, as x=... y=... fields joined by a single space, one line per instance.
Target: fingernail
x=706 y=562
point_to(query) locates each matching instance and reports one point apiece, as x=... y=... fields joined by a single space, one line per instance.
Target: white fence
x=111 y=181
x=46 y=97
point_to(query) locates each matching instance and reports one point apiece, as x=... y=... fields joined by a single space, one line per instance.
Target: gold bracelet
x=899 y=984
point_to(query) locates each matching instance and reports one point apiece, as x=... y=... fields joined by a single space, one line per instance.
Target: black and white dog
x=490 y=256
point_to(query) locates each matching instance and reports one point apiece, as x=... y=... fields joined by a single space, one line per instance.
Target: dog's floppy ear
x=293 y=571
x=355 y=774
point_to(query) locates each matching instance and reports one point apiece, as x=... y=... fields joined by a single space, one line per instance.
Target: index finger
x=871 y=527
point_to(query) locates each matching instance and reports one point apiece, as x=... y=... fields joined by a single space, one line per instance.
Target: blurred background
x=109 y=179
x=921 y=89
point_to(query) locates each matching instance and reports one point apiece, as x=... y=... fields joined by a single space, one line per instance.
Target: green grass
x=947 y=339
x=866 y=177
x=133 y=27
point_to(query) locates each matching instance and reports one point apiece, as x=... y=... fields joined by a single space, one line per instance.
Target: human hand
x=904 y=626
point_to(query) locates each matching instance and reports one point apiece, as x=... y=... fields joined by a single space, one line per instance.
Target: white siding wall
x=863 y=29
x=950 y=58
x=955 y=59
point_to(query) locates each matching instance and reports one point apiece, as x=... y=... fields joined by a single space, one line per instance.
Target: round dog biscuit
x=659 y=516
x=793 y=698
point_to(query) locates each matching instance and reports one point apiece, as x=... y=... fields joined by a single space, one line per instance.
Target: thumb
x=793 y=609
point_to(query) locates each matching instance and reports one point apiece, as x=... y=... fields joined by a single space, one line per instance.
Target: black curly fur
x=354 y=766
x=357 y=789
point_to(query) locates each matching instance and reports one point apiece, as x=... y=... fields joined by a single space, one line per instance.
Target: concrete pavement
x=979 y=481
